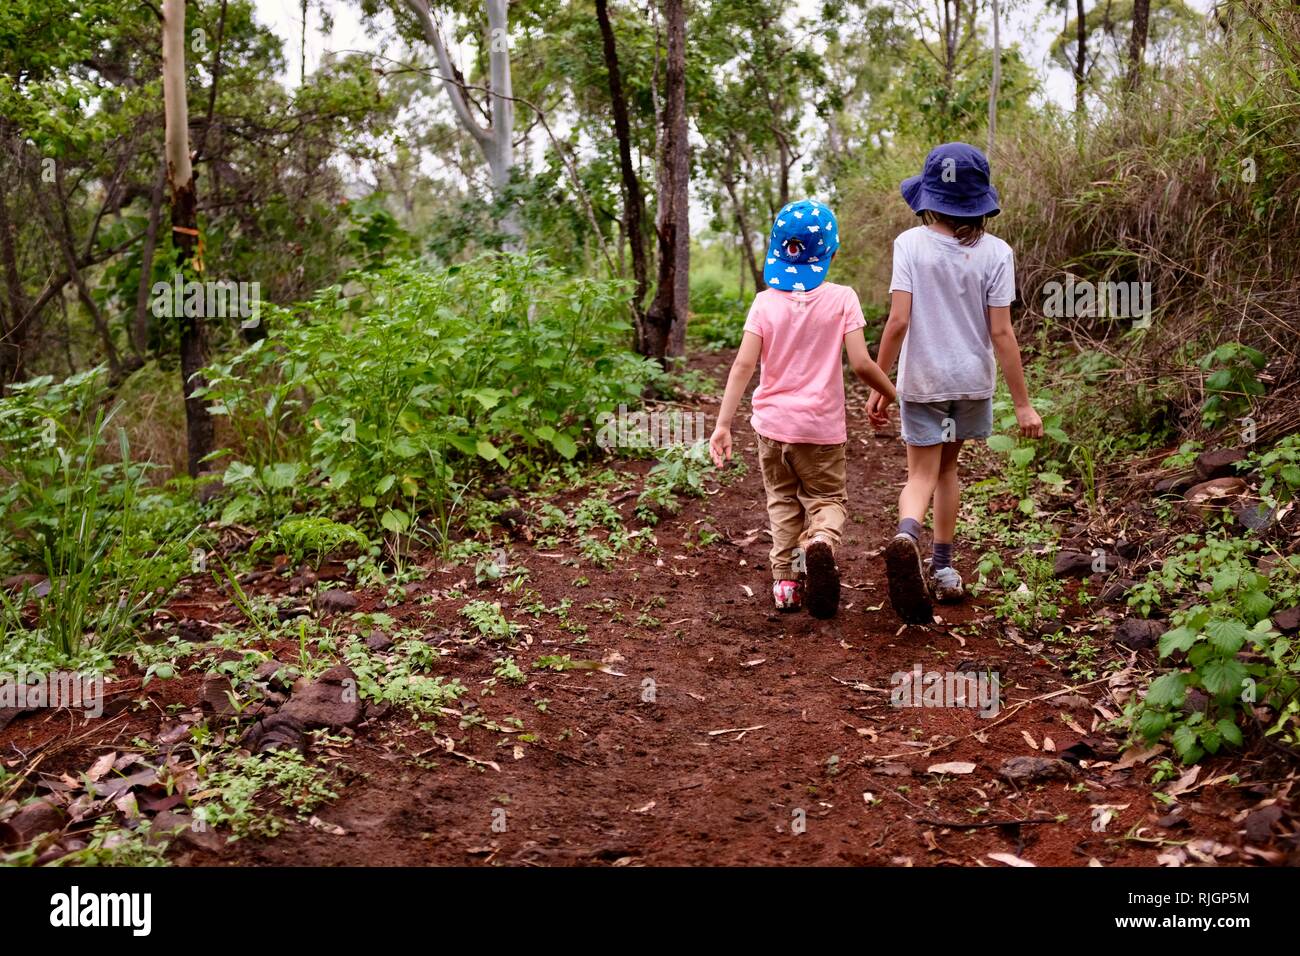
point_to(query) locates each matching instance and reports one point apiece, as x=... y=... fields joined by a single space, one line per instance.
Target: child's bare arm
x=891 y=343
x=891 y=340
x=1007 y=350
x=742 y=370
x=855 y=343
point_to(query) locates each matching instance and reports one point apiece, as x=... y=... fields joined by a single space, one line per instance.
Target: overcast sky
x=1028 y=24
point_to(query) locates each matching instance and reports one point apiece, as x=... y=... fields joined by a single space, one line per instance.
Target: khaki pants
x=805 y=497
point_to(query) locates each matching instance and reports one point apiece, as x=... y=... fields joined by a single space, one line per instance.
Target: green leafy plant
x=1031 y=463
x=1232 y=384
x=401 y=677
x=1211 y=644
x=1185 y=456
x=1030 y=593
x=1223 y=646
x=84 y=524
x=309 y=537
x=488 y=619
x=247 y=787
x=424 y=379
x=508 y=670
x=681 y=469
x=1279 y=470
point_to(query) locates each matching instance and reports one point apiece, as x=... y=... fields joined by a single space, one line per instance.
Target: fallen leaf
x=955 y=767
x=1138 y=755
x=101 y=766
x=127 y=806
x=1073 y=725
x=1010 y=859
x=331 y=828
x=1028 y=739
x=1184 y=783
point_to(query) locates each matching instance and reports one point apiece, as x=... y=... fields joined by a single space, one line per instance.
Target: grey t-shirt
x=948 y=353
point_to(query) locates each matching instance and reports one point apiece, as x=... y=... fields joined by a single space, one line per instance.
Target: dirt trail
x=616 y=778
x=610 y=777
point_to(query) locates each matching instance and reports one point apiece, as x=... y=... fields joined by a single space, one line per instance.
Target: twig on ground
x=1005 y=714
x=980 y=824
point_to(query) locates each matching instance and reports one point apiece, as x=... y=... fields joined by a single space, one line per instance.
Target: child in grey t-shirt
x=950 y=318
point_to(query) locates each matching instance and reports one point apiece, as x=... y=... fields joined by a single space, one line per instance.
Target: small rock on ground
x=1029 y=768
x=1138 y=633
x=335 y=601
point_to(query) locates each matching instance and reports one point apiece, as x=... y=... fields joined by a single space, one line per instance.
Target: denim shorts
x=932 y=423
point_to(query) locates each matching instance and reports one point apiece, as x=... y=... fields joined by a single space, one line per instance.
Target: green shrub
x=1223 y=646
x=1232 y=384
x=110 y=547
x=314 y=537
x=1279 y=470
x=391 y=399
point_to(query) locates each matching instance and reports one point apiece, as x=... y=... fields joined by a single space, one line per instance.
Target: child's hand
x=1031 y=423
x=878 y=410
x=720 y=445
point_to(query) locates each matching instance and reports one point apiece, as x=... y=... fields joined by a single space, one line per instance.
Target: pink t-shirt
x=800 y=394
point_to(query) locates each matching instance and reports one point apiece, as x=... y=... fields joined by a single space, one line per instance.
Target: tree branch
x=447 y=73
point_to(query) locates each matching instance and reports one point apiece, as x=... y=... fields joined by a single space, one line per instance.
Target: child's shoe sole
x=822 y=591
x=907 y=588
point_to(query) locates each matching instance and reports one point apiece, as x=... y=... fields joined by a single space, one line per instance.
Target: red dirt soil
x=809 y=735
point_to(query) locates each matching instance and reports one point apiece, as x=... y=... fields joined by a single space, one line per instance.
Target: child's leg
x=908 y=592
x=947 y=492
x=821 y=492
x=923 y=466
x=785 y=514
x=821 y=473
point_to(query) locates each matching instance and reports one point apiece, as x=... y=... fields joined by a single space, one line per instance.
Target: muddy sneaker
x=788 y=595
x=907 y=591
x=946 y=586
x=822 y=579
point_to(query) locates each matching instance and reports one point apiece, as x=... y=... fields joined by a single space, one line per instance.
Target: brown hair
x=966 y=229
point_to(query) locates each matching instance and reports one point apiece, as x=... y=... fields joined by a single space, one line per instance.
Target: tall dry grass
x=1191 y=184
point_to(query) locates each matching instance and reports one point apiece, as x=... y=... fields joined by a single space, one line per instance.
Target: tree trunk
x=663 y=333
x=996 y=79
x=783 y=180
x=184 y=218
x=742 y=229
x=633 y=201
x=951 y=31
x=1137 y=42
x=502 y=153
x=60 y=228
x=495 y=141
x=140 y=327
x=13 y=330
x=1080 y=61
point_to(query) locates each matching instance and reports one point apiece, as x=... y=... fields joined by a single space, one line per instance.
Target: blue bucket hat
x=804 y=237
x=955 y=183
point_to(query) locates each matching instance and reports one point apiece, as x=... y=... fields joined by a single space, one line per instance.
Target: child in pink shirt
x=799 y=326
